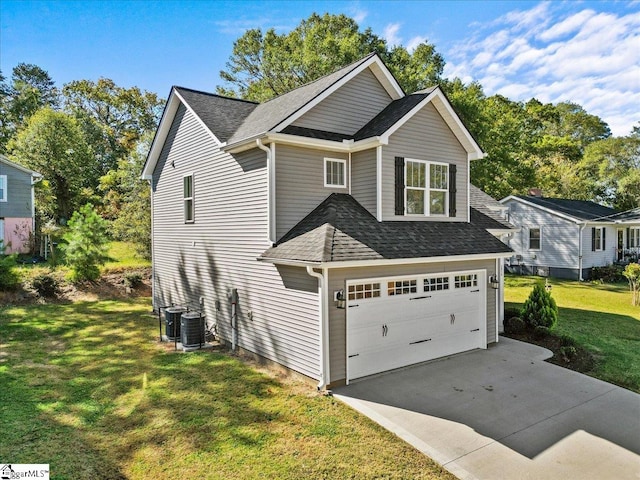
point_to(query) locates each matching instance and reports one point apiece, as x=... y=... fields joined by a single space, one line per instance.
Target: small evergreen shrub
x=540 y=309
x=132 y=279
x=46 y=286
x=9 y=278
x=541 y=331
x=514 y=325
x=87 y=244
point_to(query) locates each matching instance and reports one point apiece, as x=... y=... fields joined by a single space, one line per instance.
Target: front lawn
x=599 y=318
x=86 y=387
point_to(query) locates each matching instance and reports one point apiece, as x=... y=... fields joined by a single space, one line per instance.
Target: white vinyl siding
x=339 y=276
x=219 y=251
x=349 y=108
x=300 y=184
x=425 y=137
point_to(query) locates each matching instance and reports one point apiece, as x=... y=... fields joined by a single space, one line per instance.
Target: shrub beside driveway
x=598 y=317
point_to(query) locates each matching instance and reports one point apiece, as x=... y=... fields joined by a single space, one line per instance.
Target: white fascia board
x=8 y=162
x=387 y=262
x=391 y=86
x=200 y=121
x=564 y=216
x=450 y=117
x=315 y=143
x=161 y=135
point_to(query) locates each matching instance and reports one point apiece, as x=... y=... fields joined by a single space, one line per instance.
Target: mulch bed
x=581 y=361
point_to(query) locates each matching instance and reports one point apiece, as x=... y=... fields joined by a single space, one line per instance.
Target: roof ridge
x=193 y=90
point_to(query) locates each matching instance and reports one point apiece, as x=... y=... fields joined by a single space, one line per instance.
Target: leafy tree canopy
x=265 y=65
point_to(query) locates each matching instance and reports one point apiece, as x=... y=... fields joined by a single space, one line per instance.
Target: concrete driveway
x=505 y=413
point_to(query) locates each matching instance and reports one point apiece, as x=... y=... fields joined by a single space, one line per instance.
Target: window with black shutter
x=399 y=193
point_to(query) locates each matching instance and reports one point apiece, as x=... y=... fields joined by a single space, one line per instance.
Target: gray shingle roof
x=222 y=115
x=632 y=215
x=391 y=114
x=580 y=209
x=340 y=229
x=269 y=114
x=489 y=207
x=314 y=133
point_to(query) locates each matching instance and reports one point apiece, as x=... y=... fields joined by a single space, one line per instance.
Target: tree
x=86 y=246
x=632 y=273
x=112 y=118
x=52 y=144
x=540 y=309
x=30 y=90
x=265 y=65
x=128 y=199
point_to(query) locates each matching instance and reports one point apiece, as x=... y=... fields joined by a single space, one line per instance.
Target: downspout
x=153 y=268
x=270 y=188
x=324 y=324
x=580 y=252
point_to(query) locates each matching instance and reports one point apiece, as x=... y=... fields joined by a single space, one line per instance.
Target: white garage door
x=397 y=321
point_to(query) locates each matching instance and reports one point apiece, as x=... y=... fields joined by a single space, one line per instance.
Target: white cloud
x=358 y=13
x=552 y=54
x=414 y=42
x=391 y=34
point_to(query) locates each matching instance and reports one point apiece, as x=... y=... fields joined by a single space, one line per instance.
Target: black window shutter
x=604 y=237
x=399 y=185
x=452 y=189
x=628 y=235
x=593 y=239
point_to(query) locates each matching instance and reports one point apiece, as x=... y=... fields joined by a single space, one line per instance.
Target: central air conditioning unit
x=172 y=321
x=192 y=329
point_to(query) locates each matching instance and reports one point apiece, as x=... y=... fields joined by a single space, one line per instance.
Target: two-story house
x=17 y=205
x=339 y=214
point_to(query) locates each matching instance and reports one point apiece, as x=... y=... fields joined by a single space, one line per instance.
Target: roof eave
x=297 y=140
x=386 y=261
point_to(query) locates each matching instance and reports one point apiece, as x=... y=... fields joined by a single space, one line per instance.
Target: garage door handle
x=420 y=341
x=475 y=330
x=355 y=355
x=420 y=298
x=356 y=305
x=473 y=291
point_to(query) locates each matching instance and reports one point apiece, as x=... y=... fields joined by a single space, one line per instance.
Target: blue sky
x=587 y=52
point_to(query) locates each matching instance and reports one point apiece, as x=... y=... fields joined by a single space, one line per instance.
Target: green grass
x=87 y=388
x=598 y=317
x=123 y=255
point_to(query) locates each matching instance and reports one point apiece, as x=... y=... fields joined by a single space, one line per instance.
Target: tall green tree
x=265 y=65
x=52 y=144
x=31 y=88
x=112 y=118
x=87 y=244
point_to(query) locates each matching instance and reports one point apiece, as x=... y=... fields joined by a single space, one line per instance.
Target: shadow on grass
x=86 y=389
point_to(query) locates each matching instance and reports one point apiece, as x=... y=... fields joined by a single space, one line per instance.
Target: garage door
x=397 y=321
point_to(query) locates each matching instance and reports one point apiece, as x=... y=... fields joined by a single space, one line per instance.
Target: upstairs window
x=187 y=184
x=335 y=173
x=3 y=188
x=426 y=188
x=535 y=238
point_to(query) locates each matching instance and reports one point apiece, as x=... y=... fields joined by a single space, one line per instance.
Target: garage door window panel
x=402 y=287
x=363 y=291
x=466 y=281
x=436 y=284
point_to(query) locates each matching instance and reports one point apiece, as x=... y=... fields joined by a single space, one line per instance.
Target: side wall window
x=535 y=238
x=335 y=172
x=3 y=188
x=598 y=239
x=187 y=195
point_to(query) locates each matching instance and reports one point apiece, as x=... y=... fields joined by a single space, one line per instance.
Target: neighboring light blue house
x=17 y=205
x=565 y=238
x=339 y=212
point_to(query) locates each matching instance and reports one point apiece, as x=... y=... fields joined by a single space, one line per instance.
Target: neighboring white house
x=17 y=206
x=338 y=213
x=565 y=238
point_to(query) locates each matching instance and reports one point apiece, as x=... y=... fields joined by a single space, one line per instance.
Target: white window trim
x=529 y=239
x=344 y=173
x=192 y=198
x=427 y=189
x=599 y=244
x=3 y=180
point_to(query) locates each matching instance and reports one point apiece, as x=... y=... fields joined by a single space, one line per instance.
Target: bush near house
x=540 y=309
x=9 y=278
